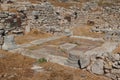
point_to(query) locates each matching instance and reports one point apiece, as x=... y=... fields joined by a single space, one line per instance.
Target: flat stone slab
x=97 y=67
x=40 y=41
x=89 y=38
x=25 y=45
x=73 y=58
x=41 y=53
x=67 y=46
x=75 y=54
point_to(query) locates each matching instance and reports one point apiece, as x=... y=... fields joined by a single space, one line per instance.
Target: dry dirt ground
x=33 y=35
x=86 y=31
x=117 y=50
x=18 y=67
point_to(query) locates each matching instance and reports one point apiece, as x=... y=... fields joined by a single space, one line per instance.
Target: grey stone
x=73 y=63
x=1 y=26
x=115 y=57
x=116 y=65
x=97 y=67
x=35 y=13
x=1 y=40
x=2 y=31
x=37 y=68
x=73 y=58
x=84 y=61
x=100 y=55
x=68 y=32
x=118 y=62
x=67 y=46
x=118 y=79
x=90 y=6
x=9 y=43
x=3 y=15
x=107 y=71
x=75 y=54
x=112 y=76
x=115 y=71
x=27 y=28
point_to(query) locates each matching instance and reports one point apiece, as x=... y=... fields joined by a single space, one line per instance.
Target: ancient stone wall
x=100 y=60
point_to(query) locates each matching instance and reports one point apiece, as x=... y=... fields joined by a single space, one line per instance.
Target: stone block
x=97 y=67
x=9 y=43
x=67 y=46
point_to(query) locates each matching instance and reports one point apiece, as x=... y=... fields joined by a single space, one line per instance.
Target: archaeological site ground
x=59 y=39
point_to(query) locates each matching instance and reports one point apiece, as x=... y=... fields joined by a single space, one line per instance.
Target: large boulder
x=68 y=32
x=97 y=67
x=9 y=43
x=67 y=46
x=84 y=61
x=73 y=58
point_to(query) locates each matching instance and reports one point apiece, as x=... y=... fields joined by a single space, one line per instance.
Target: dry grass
x=67 y=40
x=18 y=67
x=85 y=31
x=60 y=4
x=117 y=50
x=70 y=40
x=13 y=10
x=33 y=35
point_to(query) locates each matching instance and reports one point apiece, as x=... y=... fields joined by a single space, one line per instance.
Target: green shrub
x=42 y=60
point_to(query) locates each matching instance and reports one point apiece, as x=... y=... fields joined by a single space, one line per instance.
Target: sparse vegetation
x=62 y=50
x=42 y=60
x=44 y=25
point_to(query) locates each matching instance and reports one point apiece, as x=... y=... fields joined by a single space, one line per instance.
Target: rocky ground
x=18 y=67
x=59 y=39
x=33 y=35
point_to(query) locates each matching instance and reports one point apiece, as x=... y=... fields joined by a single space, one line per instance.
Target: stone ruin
x=108 y=23
x=46 y=17
x=100 y=60
x=49 y=18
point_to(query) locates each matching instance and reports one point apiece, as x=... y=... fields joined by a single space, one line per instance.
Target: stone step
x=72 y=62
x=73 y=65
x=73 y=56
x=73 y=59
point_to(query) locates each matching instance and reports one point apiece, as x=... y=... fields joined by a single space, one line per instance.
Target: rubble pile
x=100 y=60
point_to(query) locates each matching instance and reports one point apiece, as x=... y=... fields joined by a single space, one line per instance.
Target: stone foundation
x=100 y=61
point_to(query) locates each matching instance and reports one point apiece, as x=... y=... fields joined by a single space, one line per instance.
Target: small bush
x=42 y=60
x=63 y=50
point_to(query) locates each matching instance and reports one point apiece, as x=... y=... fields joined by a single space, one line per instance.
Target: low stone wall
x=100 y=61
